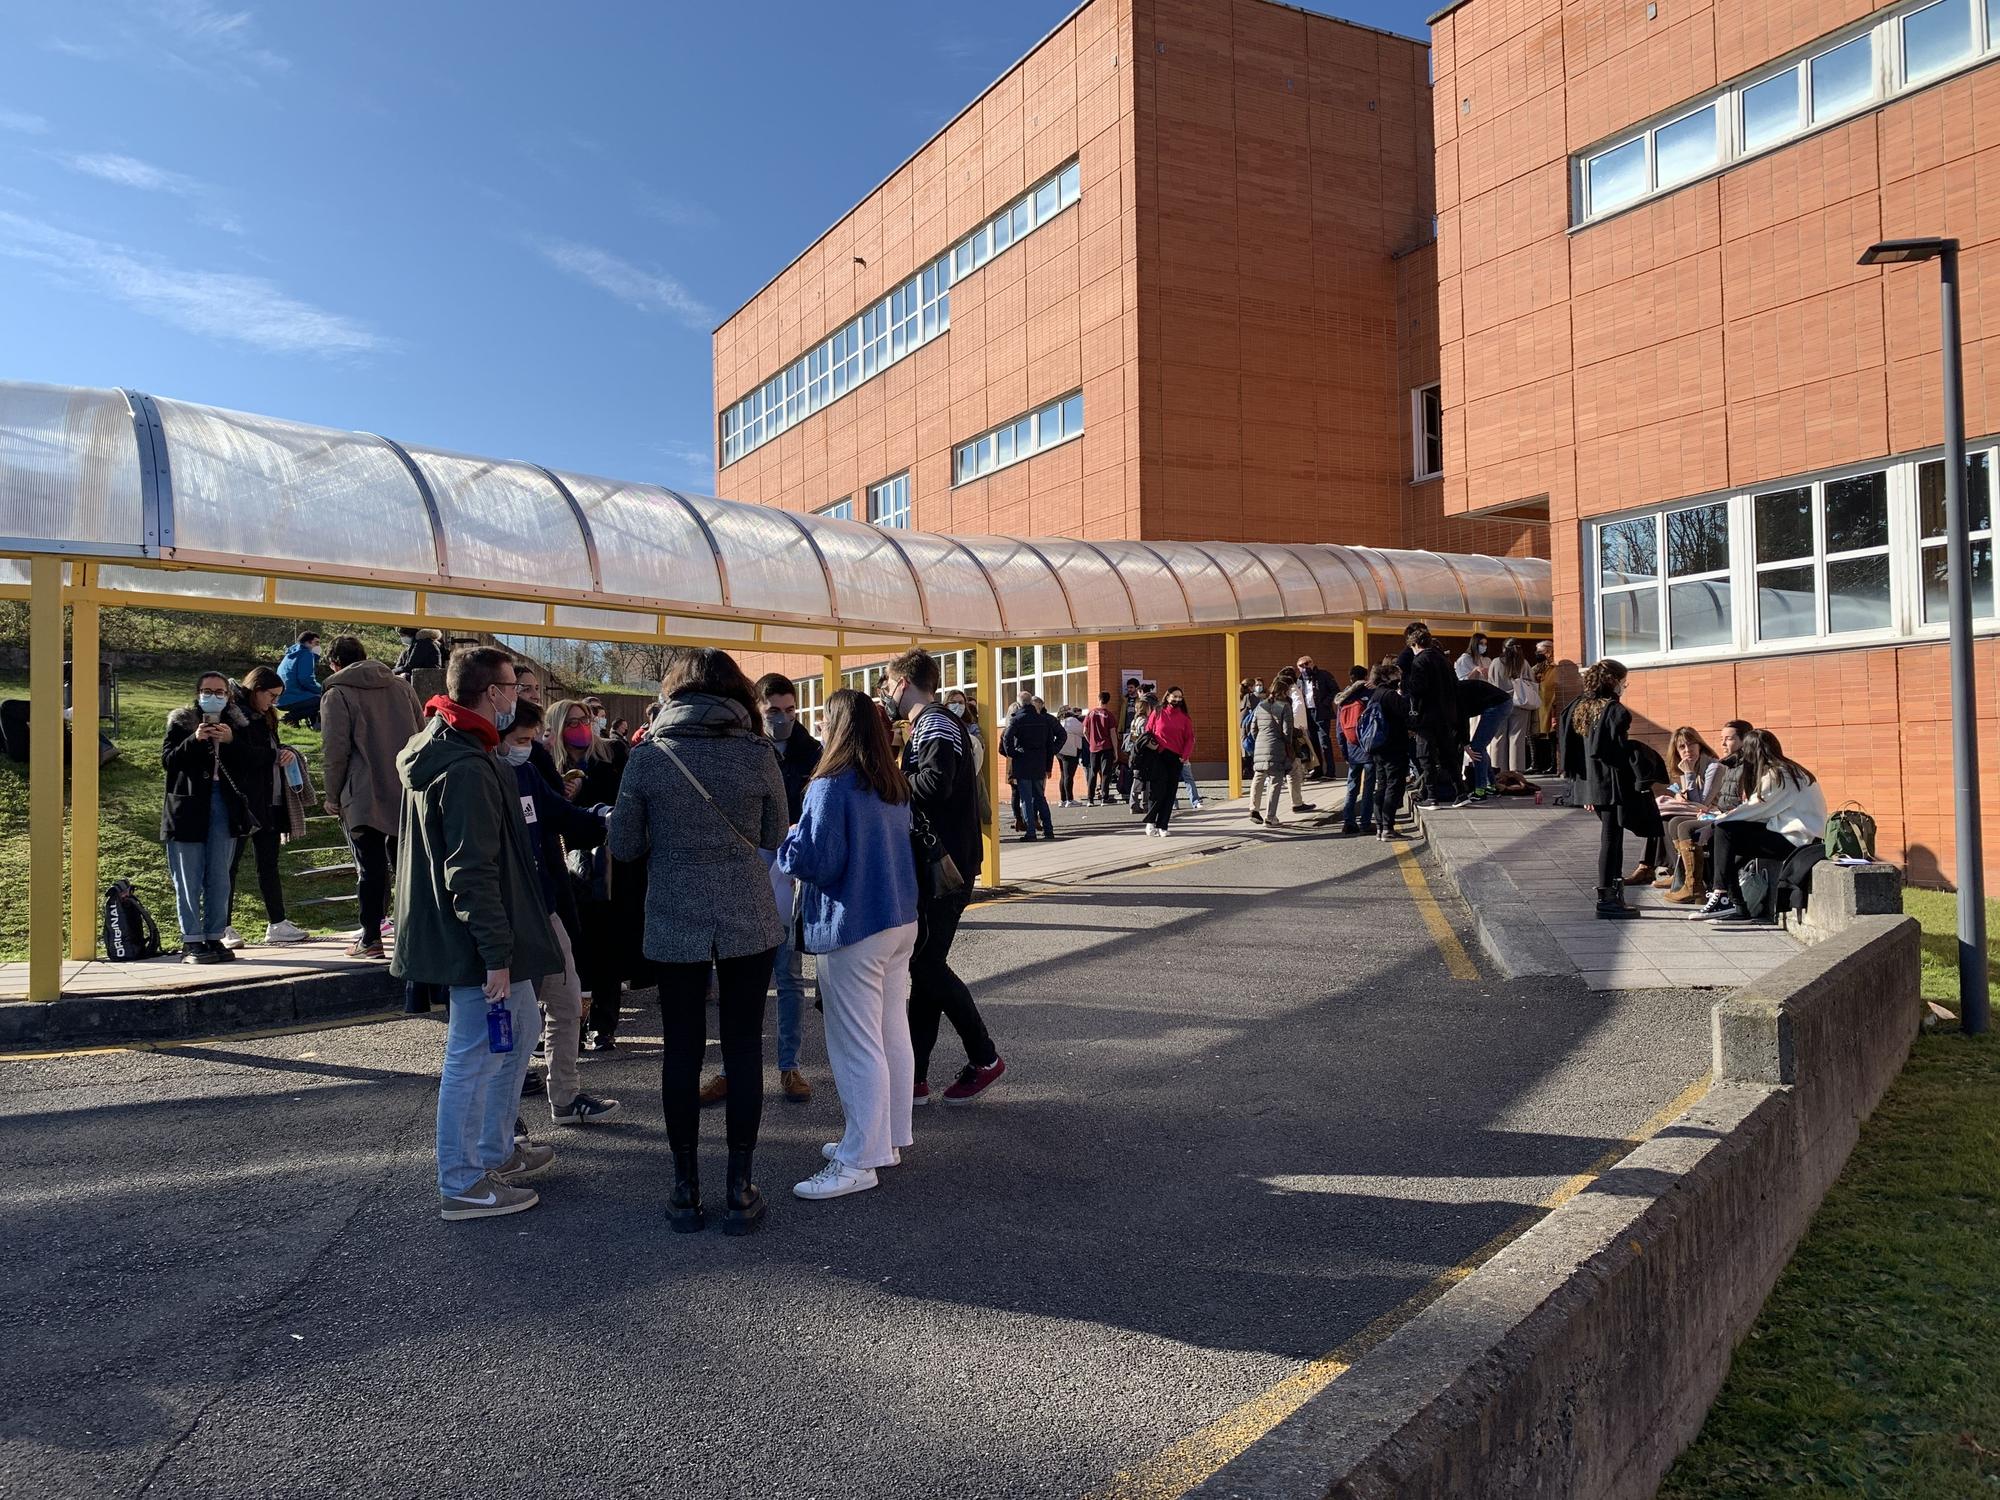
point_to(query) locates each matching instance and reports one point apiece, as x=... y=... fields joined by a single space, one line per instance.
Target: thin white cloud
x=247 y=310
x=23 y=123
x=211 y=40
x=88 y=51
x=648 y=291
x=129 y=171
x=680 y=213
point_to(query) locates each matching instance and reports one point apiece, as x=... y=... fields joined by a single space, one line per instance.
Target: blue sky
x=505 y=228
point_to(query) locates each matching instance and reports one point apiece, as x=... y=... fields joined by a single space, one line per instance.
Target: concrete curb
x=1509 y=929
x=86 y=1020
x=1582 y=1359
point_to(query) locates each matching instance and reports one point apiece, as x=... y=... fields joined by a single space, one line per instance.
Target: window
x=889 y=502
x=1905 y=46
x=1058 y=675
x=1846 y=556
x=1024 y=437
x=1932 y=566
x=841 y=509
x=913 y=314
x=1426 y=432
x=812 y=705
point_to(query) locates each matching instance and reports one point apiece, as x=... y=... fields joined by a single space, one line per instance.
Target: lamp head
x=1899 y=252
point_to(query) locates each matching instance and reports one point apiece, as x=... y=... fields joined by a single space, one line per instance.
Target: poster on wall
x=1129 y=678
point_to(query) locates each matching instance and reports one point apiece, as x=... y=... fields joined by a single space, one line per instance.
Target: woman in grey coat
x=699 y=798
x=1272 y=754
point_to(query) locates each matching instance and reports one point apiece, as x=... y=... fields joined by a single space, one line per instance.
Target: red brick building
x=1654 y=333
x=1170 y=277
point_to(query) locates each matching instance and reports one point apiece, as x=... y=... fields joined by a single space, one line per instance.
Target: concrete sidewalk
x=1529 y=875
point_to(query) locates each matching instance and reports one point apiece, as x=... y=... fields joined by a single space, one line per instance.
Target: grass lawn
x=129 y=836
x=1874 y=1369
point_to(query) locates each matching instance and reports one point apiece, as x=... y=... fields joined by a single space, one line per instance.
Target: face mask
x=957 y=709
x=598 y=723
x=516 y=755
x=779 y=723
x=504 y=720
x=577 y=736
x=1177 y=703
x=1480 y=649
x=212 y=703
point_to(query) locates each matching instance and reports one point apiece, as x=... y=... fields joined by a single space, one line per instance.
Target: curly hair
x=1602 y=683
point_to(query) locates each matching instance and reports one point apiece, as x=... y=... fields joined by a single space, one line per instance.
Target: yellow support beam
x=45 y=780
x=1361 y=644
x=989 y=731
x=83 y=797
x=829 y=667
x=1232 y=674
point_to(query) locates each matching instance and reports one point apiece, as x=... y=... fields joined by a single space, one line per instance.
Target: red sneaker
x=972 y=1082
x=923 y=1093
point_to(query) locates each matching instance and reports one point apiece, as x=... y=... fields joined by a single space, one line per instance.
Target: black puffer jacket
x=193 y=768
x=259 y=742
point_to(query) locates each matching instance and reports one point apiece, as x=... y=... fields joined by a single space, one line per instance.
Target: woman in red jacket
x=1171 y=733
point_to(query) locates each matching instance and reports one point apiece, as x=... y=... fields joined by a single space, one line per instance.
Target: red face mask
x=577 y=736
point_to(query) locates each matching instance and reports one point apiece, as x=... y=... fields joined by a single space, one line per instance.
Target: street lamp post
x=1972 y=997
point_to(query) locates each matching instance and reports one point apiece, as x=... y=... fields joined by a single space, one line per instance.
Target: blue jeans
x=1360 y=795
x=201 y=876
x=1490 y=724
x=1033 y=796
x=785 y=971
x=1188 y=781
x=479 y=1092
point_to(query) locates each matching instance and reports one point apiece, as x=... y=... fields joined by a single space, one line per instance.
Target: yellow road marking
x=1172 y=1473
x=333 y=1023
x=1455 y=956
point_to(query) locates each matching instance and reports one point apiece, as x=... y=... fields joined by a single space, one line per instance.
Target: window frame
x=987 y=443
x=1889 y=79
x=838 y=510
x=898 y=515
x=1420 y=433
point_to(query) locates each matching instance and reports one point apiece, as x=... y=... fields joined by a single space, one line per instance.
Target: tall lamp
x=1972 y=996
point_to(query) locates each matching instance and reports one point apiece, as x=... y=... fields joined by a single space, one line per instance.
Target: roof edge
x=1439 y=15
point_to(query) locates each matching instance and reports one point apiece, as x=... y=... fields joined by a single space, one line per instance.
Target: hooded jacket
x=708 y=894
x=367 y=716
x=468 y=883
x=194 y=767
x=1432 y=689
x=299 y=672
x=1030 y=743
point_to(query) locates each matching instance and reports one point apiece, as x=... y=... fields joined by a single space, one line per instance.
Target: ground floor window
x=1845 y=556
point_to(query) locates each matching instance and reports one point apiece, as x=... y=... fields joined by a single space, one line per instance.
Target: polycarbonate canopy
x=346 y=518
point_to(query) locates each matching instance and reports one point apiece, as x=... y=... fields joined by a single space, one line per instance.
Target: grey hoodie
x=367 y=714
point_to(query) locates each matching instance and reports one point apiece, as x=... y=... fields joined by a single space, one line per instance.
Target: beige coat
x=367 y=715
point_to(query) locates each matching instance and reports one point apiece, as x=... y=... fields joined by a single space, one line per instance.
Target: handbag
x=695 y=782
x=935 y=866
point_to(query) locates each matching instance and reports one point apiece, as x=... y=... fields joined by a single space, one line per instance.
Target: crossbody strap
x=695 y=782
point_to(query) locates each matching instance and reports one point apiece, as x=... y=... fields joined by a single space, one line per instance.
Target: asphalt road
x=1247 y=1112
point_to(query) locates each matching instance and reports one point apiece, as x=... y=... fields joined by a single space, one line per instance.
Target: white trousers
x=865 y=989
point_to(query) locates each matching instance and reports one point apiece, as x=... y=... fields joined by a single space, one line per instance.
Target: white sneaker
x=835 y=1180
x=286 y=931
x=231 y=938
x=832 y=1149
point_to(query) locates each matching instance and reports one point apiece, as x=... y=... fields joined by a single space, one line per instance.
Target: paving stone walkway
x=1529 y=874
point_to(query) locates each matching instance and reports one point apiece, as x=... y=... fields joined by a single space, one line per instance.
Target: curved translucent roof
x=117 y=473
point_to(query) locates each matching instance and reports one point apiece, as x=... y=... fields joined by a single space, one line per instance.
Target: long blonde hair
x=568 y=759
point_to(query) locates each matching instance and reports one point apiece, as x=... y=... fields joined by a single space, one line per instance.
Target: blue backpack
x=1369 y=740
x=1247 y=731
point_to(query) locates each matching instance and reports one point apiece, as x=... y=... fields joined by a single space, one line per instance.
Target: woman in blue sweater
x=857 y=902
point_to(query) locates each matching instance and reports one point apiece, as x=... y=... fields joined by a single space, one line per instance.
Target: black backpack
x=129 y=929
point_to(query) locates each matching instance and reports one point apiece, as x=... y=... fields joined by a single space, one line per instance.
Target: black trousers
x=1736 y=844
x=1610 y=847
x=265 y=842
x=1322 y=738
x=935 y=991
x=374 y=854
x=1162 y=787
x=1437 y=762
x=1392 y=782
x=1101 y=767
x=741 y=984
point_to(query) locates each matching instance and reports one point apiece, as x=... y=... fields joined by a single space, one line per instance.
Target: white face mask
x=515 y=755
x=211 y=703
x=598 y=723
x=957 y=709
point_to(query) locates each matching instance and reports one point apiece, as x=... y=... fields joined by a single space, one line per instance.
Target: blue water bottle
x=499 y=1027
x=293 y=775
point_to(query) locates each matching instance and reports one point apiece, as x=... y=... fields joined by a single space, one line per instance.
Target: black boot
x=746 y=1205
x=684 y=1213
x=1611 y=905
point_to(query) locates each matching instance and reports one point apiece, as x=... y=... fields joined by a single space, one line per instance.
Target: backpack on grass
x=1850 y=834
x=129 y=929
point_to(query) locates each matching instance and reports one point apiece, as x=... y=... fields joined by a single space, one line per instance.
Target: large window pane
x=1685 y=148
x=1857 y=512
x=1771 y=109
x=1843 y=77
x=1072 y=184
x=1048 y=197
x=1628 y=552
x=1698 y=540
x=1785 y=604
x=1632 y=622
x=1617 y=176
x=1784 y=525
x=1698 y=614
x=1978 y=491
x=1857 y=594
x=1073 y=414
x=1936 y=37
x=1936 y=565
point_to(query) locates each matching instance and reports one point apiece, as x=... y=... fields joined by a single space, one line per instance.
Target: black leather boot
x=684 y=1213
x=745 y=1213
x=1611 y=905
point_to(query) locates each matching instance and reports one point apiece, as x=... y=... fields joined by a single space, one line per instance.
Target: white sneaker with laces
x=831 y=1150
x=1720 y=906
x=837 y=1180
x=231 y=938
x=284 y=931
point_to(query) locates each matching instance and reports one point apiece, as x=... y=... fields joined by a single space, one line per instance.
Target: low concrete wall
x=1582 y=1359
x=85 y=1020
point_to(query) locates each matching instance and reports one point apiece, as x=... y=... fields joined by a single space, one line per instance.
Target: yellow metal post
x=829 y=682
x=45 y=779
x=1232 y=674
x=1361 y=644
x=83 y=799
x=989 y=730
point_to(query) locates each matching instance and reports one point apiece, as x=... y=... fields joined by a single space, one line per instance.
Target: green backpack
x=1850 y=834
